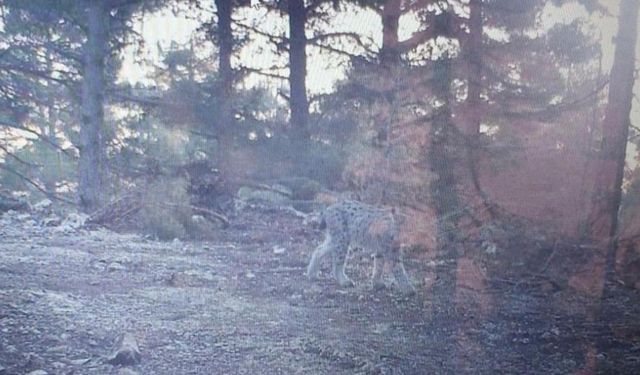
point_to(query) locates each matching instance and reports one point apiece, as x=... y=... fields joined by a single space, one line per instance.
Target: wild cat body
x=352 y=224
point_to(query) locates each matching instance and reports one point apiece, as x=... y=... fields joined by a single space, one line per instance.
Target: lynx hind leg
x=313 y=269
x=378 y=268
x=339 y=258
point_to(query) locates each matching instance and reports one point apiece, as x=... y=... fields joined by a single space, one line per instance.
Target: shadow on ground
x=239 y=304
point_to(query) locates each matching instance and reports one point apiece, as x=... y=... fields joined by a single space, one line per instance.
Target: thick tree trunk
x=298 y=101
x=389 y=54
x=92 y=158
x=225 y=72
x=446 y=204
x=474 y=111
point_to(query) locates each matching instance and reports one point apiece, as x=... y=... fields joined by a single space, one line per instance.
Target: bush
x=166 y=211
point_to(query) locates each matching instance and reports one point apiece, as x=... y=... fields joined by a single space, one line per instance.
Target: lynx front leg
x=401 y=277
x=313 y=269
x=378 y=268
x=399 y=273
x=339 y=263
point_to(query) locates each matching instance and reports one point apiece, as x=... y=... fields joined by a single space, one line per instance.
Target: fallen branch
x=117 y=210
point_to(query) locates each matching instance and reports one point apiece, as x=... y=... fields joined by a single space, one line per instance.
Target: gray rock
x=58 y=365
x=127 y=371
x=51 y=221
x=278 y=194
x=127 y=352
x=80 y=362
x=43 y=206
x=38 y=372
x=74 y=221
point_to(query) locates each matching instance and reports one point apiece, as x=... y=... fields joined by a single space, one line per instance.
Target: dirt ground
x=240 y=304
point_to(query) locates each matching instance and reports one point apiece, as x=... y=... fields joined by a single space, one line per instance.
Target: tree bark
x=446 y=204
x=389 y=54
x=474 y=63
x=298 y=101
x=92 y=147
x=603 y=217
x=51 y=118
x=474 y=113
x=225 y=72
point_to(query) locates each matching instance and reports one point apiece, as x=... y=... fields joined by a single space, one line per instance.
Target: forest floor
x=239 y=304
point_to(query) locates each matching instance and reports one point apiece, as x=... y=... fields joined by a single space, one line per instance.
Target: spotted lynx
x=352 y=224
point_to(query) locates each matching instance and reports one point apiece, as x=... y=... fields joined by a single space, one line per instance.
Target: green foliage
x=385 y=135
x=280 y=156
x=50 y=169
x=166 y=212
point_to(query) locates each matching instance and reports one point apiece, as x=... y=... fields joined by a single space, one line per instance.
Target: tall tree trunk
x=474 y=63
x=298 y=101
x=92 y=153
x=471 y=128
x=446 y=204
x=53 y=164
x=389 y=54
x=603 y=217
x=225 y=72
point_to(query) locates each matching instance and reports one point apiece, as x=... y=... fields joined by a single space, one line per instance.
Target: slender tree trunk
x=603 y=217
x=225 y=72
x=92 y=158
x=54 y=155
x=446 y=204
x=389 y=54
x=474 y=62
x=298 y=102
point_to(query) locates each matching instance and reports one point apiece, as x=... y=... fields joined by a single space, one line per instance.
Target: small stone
x=51 y=221
x=74 y=221
x=250 y=275
x=115 y=266
x=58 y=365
x=278 y=250
x=38 y=372
x=80 y=362
x=490 y=247
x=43 y=205
x=127 y=352
x=23 y=217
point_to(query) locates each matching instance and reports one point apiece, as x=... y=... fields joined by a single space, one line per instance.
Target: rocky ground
x=239 y=304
